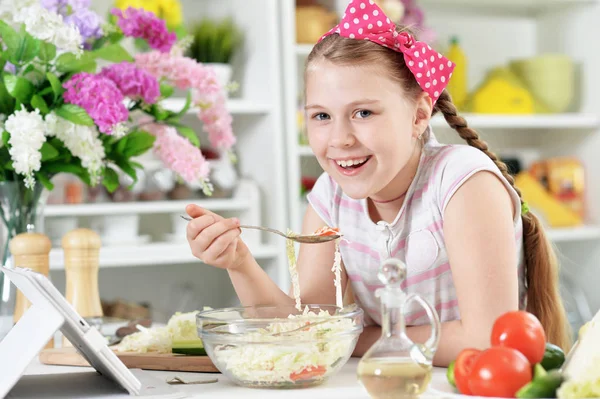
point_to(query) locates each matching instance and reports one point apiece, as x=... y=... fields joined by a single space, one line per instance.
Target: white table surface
x=342 y=385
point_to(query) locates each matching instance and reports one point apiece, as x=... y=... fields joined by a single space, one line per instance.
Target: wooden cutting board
x=69 y=356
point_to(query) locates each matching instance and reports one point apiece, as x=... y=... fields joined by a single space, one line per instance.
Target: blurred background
x=526 y=79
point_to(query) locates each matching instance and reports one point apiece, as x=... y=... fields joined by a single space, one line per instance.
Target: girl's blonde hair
x=542 y=280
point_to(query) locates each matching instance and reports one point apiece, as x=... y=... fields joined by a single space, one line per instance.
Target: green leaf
x=136 y=164
x=68 y=62
x=75 y=114
x=110 y=180
x=159 y=113
x=27 y=49
x=188 y=133
x=56 y=85
x=38 y=102
x=138 y=142
x=5 y=137
x=114 y=53
x=47 y=52
x=10 y=37
x=166 y=90
x=45 y=181
x=122 y=145
x=128 y=168
x=73 y=167
x=48 y=152
x=20 y=88
x=9 y=166
x=7 y=103
x=186 y=106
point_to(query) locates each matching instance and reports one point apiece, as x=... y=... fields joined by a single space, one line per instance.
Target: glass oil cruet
x=395 y=366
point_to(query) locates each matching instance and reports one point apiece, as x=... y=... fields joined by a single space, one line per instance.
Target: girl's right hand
x=213 y=239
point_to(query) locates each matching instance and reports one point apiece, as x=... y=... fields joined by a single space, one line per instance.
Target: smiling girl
x=450 y=212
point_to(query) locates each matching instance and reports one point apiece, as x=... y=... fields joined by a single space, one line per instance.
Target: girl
x=450 y=212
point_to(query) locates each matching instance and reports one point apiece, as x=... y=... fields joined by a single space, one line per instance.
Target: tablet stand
x=24 y=341
x=49 y=312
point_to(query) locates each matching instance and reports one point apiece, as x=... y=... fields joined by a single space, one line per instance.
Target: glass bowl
x=242 y=345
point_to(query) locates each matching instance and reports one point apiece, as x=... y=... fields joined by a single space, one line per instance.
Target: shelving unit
x=493 y=33
x=261 y=196
x=154 y=254
x=235 y=106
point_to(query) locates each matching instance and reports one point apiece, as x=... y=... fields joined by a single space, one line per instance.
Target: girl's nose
x=341 y=135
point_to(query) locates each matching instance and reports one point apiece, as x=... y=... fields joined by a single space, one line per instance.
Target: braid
x=541 y=265
x=458 y=123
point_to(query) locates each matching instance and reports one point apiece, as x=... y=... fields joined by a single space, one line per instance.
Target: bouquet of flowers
x=73 y=100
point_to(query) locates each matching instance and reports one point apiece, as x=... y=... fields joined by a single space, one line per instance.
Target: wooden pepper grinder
x=82 y=252
x=30 y=250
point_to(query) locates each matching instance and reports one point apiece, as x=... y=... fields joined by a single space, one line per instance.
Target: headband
x=363 y=19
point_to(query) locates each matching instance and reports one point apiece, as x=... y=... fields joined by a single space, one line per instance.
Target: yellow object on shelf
x=501 y=93
x=457 y=85
x=550 y=209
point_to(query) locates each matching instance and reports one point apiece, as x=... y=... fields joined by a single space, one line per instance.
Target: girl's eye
x=363 y=113
x=321 y=116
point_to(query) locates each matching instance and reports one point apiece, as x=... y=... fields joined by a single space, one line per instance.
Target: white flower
x=119 y=130
x=48 y=26
x=2 y=117
x=26 y=138
x=82 y=141
x=8 y=8
x=68 y=38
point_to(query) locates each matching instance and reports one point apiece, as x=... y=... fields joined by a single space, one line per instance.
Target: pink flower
x=136 y=22
x=134 y=82
x=186 y=73
x=100 y=98
x=217 y=121
x=178 y=154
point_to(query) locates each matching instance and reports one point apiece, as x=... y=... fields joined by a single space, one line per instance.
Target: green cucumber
x=554 y=357
x=450 y=374
x=193 y=347
x=544 y=384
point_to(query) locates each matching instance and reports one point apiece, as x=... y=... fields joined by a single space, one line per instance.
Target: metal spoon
x=306 y=239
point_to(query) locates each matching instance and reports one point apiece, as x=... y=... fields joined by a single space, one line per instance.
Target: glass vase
x=21 y=210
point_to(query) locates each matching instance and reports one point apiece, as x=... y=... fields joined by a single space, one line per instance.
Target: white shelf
x=158 y=253
x=571 y=234
x=124 y=208
x=303 y=50
x=234 y=106
x=305 y=151
x=546 y=121
x=513 y=7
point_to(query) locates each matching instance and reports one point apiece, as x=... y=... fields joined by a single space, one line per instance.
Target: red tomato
x=327 y=231
x=522 y=331
x=308 y=373
x=462 y=369
x=499 y=372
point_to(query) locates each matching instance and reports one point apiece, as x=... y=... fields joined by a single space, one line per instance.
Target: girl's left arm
x=480 y=241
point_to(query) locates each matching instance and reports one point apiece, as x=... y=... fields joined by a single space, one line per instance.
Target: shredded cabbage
x=180 y=327
x=586 y=385
x=263 y=358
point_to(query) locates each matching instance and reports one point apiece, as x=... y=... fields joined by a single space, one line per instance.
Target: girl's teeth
x=345 y=164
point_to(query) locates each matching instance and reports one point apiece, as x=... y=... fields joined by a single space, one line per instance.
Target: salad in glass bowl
x=280 y=346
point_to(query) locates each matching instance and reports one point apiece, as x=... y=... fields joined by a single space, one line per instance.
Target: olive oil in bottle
x=391 y=378
x=396 y=367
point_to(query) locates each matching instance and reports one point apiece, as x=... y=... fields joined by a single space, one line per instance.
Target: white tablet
x=50 y=311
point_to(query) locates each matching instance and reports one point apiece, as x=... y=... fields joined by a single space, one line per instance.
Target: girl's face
x=361 y=126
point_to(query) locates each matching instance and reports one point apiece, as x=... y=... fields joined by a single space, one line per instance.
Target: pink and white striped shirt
x=416 y=236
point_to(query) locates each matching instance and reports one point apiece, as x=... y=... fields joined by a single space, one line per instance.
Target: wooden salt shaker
x=82 y=252
x=30 y=250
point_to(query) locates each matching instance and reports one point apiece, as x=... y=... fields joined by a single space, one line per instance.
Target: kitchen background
x=529 y=87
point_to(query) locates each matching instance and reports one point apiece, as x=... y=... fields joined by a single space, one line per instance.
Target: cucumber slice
x=193 y=347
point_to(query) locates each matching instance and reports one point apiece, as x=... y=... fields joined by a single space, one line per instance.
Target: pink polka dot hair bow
x=363 y=19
